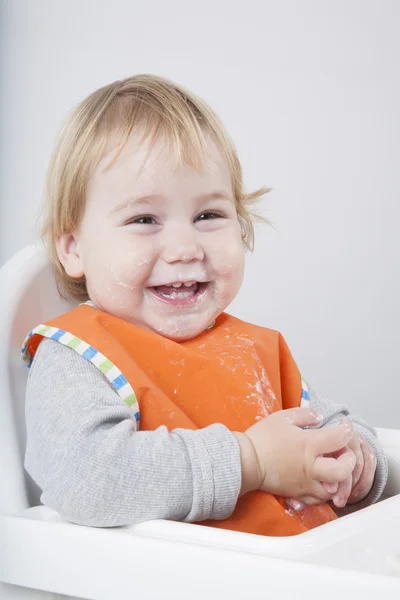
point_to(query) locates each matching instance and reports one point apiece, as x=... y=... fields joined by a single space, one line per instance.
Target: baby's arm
x=95 y=469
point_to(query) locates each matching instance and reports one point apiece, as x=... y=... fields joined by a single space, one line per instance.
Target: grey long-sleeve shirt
x=94 y=469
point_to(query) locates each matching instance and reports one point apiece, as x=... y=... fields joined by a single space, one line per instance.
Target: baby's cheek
x=129 y=264
x=231 y=262
x=231 y=270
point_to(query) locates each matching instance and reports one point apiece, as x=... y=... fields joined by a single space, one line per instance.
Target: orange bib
x=235 y=374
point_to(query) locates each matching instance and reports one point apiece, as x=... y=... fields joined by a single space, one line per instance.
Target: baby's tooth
x=176 y=285
x=189 y=283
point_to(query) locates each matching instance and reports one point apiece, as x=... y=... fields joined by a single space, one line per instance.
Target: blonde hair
x=147 y=104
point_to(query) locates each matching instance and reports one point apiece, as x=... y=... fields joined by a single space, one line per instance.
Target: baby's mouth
x=180 y=293
x=178 y=290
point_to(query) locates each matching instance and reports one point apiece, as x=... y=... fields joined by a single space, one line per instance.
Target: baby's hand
x=356 y=486
x=363 y=483
x=280 y=457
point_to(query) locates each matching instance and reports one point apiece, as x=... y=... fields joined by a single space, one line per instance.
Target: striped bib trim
x=305 y=395
x=117 y=380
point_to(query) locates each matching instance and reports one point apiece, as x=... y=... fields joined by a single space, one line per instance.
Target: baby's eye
x=206 y=216
x=144 y=220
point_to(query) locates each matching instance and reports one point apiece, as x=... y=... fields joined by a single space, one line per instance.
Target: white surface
x=357 y=556
x=310 y=91
x=149 y=561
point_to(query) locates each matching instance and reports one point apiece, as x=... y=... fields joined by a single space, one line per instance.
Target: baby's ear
x=69 y=255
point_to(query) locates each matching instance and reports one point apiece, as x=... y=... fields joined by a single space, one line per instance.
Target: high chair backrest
x=29 y=296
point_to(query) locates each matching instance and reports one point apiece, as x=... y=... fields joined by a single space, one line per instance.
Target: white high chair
x=42 y=556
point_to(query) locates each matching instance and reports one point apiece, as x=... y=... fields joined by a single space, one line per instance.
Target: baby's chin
x=177 y=328
x=180 y=329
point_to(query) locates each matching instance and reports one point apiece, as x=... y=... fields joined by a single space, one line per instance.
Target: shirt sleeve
x=95 y=469
x=332 y=413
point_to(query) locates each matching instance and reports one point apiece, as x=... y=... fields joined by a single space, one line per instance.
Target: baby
x=147 y=400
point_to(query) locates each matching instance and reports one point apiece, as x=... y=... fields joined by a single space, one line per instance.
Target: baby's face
x=161 y=248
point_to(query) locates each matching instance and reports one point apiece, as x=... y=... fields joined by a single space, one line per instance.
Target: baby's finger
x=317 y=496
x=363 y=487
x=299 y=504
x=369 y=460
x=340 y=498
x=330 y=439
x=355 y=446
x=343 y=493
x=300 y=417
x=332 y=470
x=314 y=500
x=330 y=488
x=296 y=505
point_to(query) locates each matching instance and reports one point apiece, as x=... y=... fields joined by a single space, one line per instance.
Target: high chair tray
x=357 y=556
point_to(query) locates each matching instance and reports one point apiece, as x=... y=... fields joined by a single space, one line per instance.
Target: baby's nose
x=182 y=246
